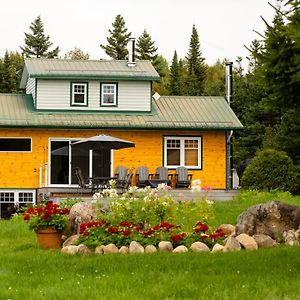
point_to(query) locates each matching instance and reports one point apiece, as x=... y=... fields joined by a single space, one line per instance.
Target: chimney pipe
x=131 y=53
x=229 y=82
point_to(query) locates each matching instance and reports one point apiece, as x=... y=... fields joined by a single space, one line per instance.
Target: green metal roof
x=87 y=69
x=172 y=112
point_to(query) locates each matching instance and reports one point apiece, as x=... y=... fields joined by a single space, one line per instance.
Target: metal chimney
x=229 y=82
x=131 y=53
x=229 y=146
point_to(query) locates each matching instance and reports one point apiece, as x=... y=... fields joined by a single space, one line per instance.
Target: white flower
x=196 y=188
x=196 y=182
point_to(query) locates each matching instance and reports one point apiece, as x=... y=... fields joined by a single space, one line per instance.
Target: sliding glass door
x=63 y=158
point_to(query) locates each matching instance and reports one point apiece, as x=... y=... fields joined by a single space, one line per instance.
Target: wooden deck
x=52 y=193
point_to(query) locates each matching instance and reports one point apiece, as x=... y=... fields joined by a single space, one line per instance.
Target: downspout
x=229 y=147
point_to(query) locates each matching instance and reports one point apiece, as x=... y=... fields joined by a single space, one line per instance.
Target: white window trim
x=85 y=93
x=103 y=84
x=182 y=152
x=16 y=196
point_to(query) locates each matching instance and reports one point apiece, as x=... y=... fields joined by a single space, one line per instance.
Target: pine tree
x=10 y=72
x=37 y=44
x=145 y=47
x=175 y=85
x=196 y=66
x=118 y=40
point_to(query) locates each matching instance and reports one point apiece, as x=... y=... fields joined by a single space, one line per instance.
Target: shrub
x=270 y=169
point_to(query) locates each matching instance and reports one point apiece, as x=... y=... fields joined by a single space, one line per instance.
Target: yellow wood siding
x=21 y=170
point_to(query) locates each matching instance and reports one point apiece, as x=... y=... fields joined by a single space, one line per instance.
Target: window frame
x=85 y=84
x=115 y=103
x=182 y=148
x=17 y=138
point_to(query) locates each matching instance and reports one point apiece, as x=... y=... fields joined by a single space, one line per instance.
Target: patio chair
x=142 y=176
x=124 y=184
x=121 y=173
x=183 y=179
x=84 y=183
x=162 y=174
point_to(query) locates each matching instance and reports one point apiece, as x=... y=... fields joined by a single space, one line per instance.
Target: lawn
x=27 y=272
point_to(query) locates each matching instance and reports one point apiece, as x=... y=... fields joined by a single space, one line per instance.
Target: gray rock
x=71 y=249
x=124 y=250
x=81 y=212
x=110 y=249
x=217 y=248
x=84 y=250
x=99 y=250
x=165 y=246
x=264 y=241
x=150 y=249
x=291 y=237
x=135 y=248
x=199 y=247
x=71 y=240
x=228 y=229
x=232 y=244
x=180 y=249
x=271 y=218
x=247 y=242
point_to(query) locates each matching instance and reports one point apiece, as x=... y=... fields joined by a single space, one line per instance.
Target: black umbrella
x=103 y=142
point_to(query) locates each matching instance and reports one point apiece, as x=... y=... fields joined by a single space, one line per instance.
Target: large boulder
x=271 y=218
x=264 y=241
x=81 y=212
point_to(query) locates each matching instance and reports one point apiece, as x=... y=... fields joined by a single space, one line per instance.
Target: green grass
x=27 y=272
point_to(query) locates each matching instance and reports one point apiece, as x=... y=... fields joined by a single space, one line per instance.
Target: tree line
x=266 y=96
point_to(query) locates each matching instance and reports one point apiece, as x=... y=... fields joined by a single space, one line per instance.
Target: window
x=108 y=94
x=15 y=144
x=182 y=151
x=79 y=94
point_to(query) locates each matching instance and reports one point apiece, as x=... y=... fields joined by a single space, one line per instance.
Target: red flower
x=30 y=210
x=125 y=224
x=200 y=227
x=65 y=211
x=112 y=230
x=176 y=238
x=126 y=232
x=220 y=232
x=213 y=236
x=26 y=217
x=204 y=236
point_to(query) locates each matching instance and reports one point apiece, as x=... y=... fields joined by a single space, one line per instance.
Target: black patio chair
x=183 y=179
x=84 y=183
x=142 y=176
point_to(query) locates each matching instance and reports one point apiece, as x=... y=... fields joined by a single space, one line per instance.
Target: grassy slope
x=27 y=272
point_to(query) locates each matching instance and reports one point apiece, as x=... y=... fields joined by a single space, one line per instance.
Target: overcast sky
x=224 y=26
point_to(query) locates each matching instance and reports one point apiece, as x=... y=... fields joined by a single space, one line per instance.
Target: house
x=66 y=100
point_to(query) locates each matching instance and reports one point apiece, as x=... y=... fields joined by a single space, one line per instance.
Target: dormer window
x=109 y=94
x=79 y=93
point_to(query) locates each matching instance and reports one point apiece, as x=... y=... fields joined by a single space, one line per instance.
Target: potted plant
x=48 y=221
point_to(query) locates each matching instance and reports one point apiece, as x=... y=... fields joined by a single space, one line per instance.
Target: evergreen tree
x=175 y=85
x=37 y=44
x=77 y=54
x=10 y=72
x=118 y=40
x=196 y=66
x=145 y=47
x=214 y=84
x=162 y=68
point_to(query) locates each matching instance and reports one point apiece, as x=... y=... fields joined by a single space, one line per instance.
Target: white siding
x=132 y=96
x=30 y=87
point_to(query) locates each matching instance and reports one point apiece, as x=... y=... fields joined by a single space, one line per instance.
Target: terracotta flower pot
x=49 y=238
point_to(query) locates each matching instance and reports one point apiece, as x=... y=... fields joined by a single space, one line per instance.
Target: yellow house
x=66 y=100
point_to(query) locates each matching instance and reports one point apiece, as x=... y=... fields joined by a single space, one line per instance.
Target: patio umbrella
x=103 y=142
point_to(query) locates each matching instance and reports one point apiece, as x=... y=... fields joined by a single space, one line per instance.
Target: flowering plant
x=45 y=216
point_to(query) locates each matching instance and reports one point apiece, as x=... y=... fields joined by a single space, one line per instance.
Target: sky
x=224 y=26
